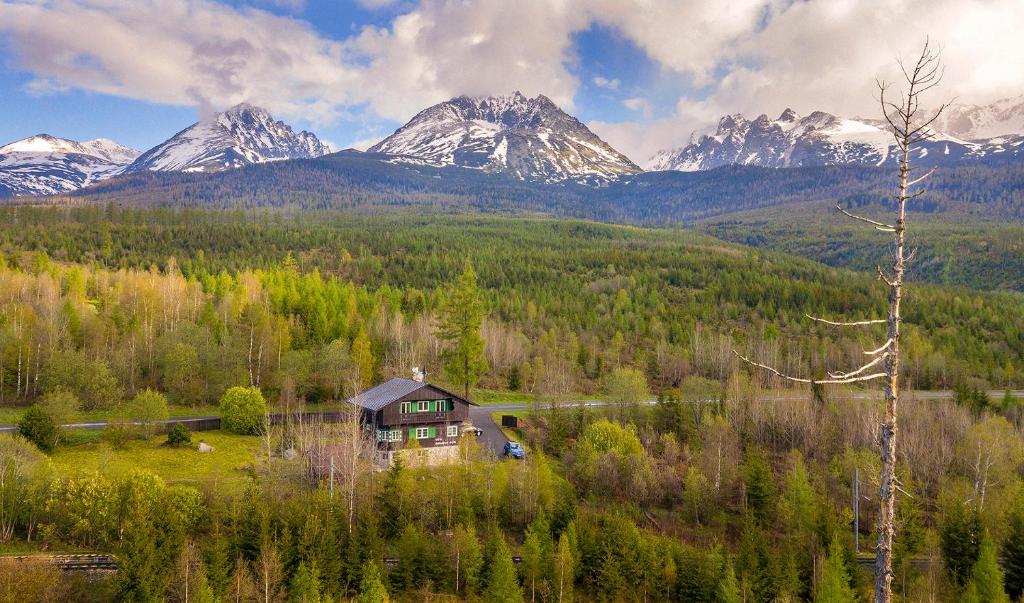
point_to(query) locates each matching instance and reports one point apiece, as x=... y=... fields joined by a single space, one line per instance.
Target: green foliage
x=243 y=410
x=502 y=586
x=371 y=589
x=761 y=490
x=972 y=397
x=362 y=359
x=627 y=389
x=91 y=381
x=470 y=560
x=729 y=587
x=148 y=409
x=305 y=585
x=179 y=436
x=986 y=582
x=462 y=316
x=60 y=405
x=834 y=585
x=37 y=427
x=960 y=541
x=182 y=375
x=1013 y=554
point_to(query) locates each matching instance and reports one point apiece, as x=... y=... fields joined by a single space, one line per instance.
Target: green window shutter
x=433 y=406
x=450 y=404
x=412 y=433
x=433 y=432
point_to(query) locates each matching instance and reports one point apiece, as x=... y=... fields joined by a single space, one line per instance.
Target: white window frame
x=425 y=431
x=406 y=408
x=453 y=431
x=395 y=435
x=423 y=406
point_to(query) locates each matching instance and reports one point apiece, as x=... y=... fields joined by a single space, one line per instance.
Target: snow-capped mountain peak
x=243 y=134
x=1004 y=117
x=822 y=138
x=528 y=138
x=102 y=148
x=46 y=165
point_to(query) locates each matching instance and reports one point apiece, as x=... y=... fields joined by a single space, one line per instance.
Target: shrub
x=242 y=410
x=147 y=409
x=60 y=405
x=37 y=427
x=178 y=436
x=90 y=380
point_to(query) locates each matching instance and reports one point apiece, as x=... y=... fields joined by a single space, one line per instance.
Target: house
x=401 y=410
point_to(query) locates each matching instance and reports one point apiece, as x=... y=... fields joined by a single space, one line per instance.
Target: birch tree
x=910 y=125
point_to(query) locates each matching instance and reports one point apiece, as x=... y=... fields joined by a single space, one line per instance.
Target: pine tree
x=834 y=586
x=760 y=485
x=305 y=585
x=1013 y=555
x=371 y=589
x=502 y=586
x=986 y=585
x=729 y=586
x=461 y=319
x=959 y=540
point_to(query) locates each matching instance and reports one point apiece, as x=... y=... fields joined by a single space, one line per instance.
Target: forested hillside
x=982 y=253
x=720 y=491
x=265 y=298
x=365 y=182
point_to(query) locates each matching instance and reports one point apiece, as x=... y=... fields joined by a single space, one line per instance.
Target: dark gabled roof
x=380 y=396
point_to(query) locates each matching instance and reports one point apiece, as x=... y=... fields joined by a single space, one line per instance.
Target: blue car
x=514 y=450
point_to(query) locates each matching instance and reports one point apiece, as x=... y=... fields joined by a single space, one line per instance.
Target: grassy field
x=227 y=466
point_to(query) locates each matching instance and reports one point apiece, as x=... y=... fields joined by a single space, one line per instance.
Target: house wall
x=391 y=417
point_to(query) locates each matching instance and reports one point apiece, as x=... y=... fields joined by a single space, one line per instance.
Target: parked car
x=514 y=450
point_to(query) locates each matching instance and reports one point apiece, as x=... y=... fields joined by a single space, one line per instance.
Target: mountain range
x=792 y=140
x=515 y=137
x=242 y=135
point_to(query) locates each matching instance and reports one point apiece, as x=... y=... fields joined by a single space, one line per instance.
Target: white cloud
x=752 y=56
x=637 y=104
x=603 y=82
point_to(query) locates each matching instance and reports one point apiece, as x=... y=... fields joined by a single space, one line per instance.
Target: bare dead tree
x=904 y=118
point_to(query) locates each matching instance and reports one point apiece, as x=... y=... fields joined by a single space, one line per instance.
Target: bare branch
x=802 y=380
x=852 y=323
x=920 y=178
x=884 y=278
x=858 y=371
x=881 y=349
x=878 y=225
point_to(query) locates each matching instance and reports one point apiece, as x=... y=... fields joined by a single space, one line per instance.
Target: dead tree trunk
x=908 y=129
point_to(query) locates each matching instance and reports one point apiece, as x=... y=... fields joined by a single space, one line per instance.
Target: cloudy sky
x=643 y=74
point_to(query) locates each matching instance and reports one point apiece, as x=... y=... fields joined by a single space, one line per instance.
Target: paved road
x=483 y=413
x=491 y=435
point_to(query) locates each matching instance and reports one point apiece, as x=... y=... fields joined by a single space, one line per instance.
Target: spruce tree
x=959 y=540
x=461 y=319
x=729 y=587
x=1013 y=555
x=371 y=589
x=986 y=585
x=834 y=586
x=502 y=587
